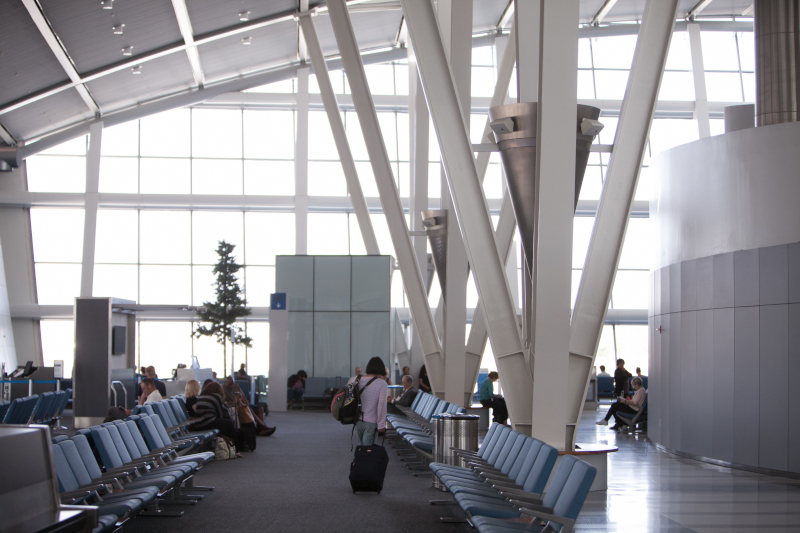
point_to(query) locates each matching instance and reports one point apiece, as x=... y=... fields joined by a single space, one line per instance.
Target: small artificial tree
x=230 y=306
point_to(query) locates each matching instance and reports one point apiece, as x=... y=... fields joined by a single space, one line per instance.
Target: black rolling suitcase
x=246 y=439
x=368 y=468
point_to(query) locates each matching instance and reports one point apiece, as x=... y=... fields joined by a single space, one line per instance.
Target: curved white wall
x=726 y=193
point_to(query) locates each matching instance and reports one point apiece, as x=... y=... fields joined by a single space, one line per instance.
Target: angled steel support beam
x=7 y=137
x=697 y=9
x=90 y=208
x=701 y=114
x=185 y=25
x=36 y=13
x=506 y=17
x=390 y=197
x=608 y=234
x=339 y=136
x=602 y=12
x=471 y=211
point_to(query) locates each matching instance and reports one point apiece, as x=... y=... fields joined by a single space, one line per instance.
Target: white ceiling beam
x=701 y=5
x=36 y=13
x=506 y=17
x=7 y=138
x=185 y=25
x=602 y=12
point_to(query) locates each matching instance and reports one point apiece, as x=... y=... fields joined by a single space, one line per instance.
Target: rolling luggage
x=246 y=438
x=368 y=468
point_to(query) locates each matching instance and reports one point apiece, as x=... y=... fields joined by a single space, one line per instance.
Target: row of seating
x=41 y=409
x=506 y=477
x=129 y=468
x=414 y=426
x=605 y=386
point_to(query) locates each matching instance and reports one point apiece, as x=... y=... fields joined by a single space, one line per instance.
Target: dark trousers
x=498 y=406
x=619 y=407
x=224 y=425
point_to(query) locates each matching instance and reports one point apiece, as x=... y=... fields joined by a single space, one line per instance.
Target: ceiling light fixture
x=136 y=70
x=244 y=16
x=118 y=29
x=107 y=4
x=127 y=51
x=247 y=40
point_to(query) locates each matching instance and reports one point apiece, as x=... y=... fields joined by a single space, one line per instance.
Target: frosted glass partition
x=332 y=344
x=294 y=275
x=370 y=275
x=370 y=337
x=339 y=311
x=332 y=283
x=301 y=342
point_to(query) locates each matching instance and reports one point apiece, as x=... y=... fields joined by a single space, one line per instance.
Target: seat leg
x=453 y=520
x=189 y=485
x=154 y=510
x=443 y=502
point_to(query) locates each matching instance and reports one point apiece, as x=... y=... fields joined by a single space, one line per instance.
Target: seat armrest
x=510 y=491
x=495 y=476
x=567 y=523
x=502 y=485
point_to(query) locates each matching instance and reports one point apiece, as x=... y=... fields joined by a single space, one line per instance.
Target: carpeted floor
x=297 y=481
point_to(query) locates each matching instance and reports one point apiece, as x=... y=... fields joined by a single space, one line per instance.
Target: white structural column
x=504 y=234
x=527 y=15
x=339 y=136
x=471 y=211
x=419 y=135
x=613 y=214
x=301 y=164
x=699 y=73
x=390 y=197
x=455 y=23
x=554 y=209
x=90 y=208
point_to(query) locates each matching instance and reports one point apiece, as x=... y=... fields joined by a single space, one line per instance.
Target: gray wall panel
x=723 y=280
x=295 y=276
x=793 y=253
x=332 y=284
x=745 y=278
x=301 y=342
x=773 y=275
x=722 y=444
x=746 y=384
x=774 y=387
x=372 y=281
x=794 y=378
x=654 y=384
x=704 y=389
x=657 y=292
x=666 y=305
x=675 y=288
x=704 y=280
x=675 y=385
x=689 y=285
x=331 y=345
x=666 y=379
x=689 y=400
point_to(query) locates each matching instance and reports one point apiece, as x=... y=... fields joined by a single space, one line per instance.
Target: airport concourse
x=399 y=265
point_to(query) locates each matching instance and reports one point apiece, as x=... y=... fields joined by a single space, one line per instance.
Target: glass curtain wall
x=165 y=256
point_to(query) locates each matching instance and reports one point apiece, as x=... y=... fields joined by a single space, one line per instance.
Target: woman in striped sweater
x=211 y=413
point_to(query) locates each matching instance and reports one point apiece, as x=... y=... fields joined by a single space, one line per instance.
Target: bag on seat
x=224 y=449
x=368 y=469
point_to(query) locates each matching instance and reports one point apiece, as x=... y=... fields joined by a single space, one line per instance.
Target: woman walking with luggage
x=373 y=393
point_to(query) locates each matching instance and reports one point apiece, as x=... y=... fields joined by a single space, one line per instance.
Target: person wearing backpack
x=373 y=392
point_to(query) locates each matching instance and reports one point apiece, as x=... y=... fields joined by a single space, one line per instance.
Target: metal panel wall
x=92 y=374
x=727 y=357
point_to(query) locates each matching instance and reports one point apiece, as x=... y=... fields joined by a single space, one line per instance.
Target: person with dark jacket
x=621 y=377
x=295 y=387
x=424 y=382
x=150 y=372
x=407 y=398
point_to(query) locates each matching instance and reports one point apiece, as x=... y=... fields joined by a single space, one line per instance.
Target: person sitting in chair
x=405 y=399
x=296 y=386
x=150 y=393
x=496 y=402
x=624 y=405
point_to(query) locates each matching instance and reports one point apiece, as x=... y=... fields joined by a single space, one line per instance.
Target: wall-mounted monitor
x=117 y=340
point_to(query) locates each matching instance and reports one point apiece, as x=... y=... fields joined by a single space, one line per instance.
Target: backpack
x=346 y=404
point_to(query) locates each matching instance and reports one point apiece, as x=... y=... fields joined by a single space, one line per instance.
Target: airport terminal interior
x=558 y=240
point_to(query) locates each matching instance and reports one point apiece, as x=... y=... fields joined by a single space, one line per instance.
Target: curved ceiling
x=66 y=63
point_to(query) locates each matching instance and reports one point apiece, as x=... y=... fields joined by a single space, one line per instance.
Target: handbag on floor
x=224 y=449
x=368 y=468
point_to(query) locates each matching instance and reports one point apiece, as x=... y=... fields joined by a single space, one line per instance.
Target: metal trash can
x=454 y=431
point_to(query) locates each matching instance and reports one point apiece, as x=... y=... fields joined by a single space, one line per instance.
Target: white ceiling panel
x=46 y=115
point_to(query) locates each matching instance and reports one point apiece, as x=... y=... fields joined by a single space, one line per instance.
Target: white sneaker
x=602 y=422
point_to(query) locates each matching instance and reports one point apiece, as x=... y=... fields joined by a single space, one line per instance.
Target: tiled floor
x=652 y=490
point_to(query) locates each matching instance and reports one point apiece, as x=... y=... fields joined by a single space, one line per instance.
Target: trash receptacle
x=436 y=433
x=454 y=431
